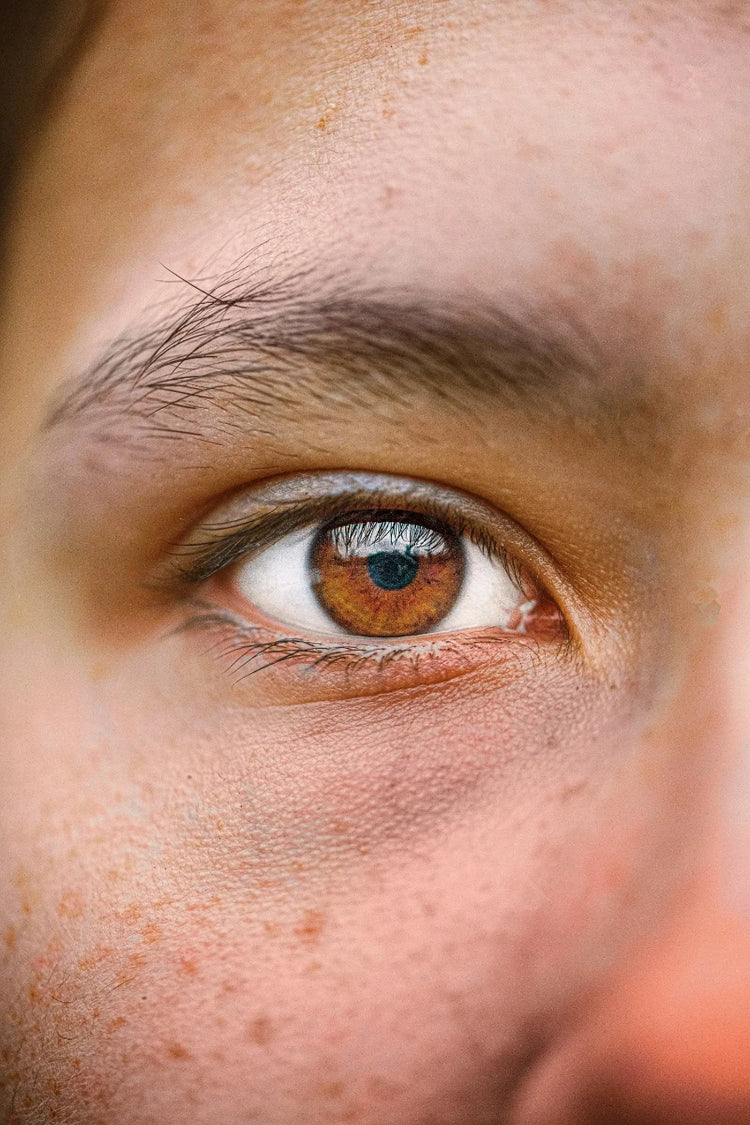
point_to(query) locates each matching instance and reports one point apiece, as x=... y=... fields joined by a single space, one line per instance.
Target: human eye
x=336 y=568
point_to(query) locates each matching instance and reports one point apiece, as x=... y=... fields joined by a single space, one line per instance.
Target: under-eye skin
x=330 y=567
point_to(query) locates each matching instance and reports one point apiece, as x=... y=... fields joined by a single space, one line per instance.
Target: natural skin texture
x=495 y=880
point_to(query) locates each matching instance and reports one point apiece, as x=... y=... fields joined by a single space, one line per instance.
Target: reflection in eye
x=383 y=573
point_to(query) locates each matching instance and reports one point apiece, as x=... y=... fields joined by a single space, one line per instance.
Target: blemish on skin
x=325 y=118
x=272 y=929
x=311 y=926
x=424 y=58
x=117 y=1023
x=389 y=195
x=188 y=967
x=573 y=790
x=10 y=939
x=177 y=1051
x=260 y=1031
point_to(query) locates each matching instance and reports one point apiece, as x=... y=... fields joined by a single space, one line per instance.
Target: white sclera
x=278 y=581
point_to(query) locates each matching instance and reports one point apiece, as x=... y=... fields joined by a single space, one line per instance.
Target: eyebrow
x=252 y=350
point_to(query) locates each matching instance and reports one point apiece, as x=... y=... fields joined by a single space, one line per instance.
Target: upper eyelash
x=356 y=533
x=229 y=542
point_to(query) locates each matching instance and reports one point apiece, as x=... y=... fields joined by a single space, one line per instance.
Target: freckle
x=131 y=913
x=331 y=1089
x=272 y=929
x=116 y=1024
x=424 y=58
x=188 y=966
x=323 y=123
x=716 y=319
x=10 y=938
x=311 y=926
x=150 y=933
x=177 y=1051
x=260 y=1031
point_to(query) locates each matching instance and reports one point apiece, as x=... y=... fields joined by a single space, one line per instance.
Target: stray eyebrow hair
x=298 y=344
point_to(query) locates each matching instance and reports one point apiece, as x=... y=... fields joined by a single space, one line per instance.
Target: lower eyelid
x=307 y=668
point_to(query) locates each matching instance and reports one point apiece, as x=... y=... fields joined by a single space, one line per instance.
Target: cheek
x=219 y=911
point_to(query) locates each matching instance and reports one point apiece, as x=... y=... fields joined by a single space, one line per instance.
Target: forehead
x=593 y=153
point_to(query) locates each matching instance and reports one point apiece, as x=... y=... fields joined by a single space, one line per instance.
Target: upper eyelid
x=257 y=517
x=223 y=546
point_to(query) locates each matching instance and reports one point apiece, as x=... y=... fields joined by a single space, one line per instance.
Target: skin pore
x=486 y=259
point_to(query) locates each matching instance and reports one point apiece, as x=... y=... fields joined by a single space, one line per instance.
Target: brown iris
x=386 y=574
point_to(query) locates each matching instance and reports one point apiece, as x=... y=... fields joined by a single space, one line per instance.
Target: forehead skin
x=192 y=133
x=593 y=155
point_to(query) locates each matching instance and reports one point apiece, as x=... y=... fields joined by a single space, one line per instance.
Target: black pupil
x=391 y=570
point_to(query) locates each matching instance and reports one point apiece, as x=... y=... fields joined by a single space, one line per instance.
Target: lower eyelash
x=241 y=649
